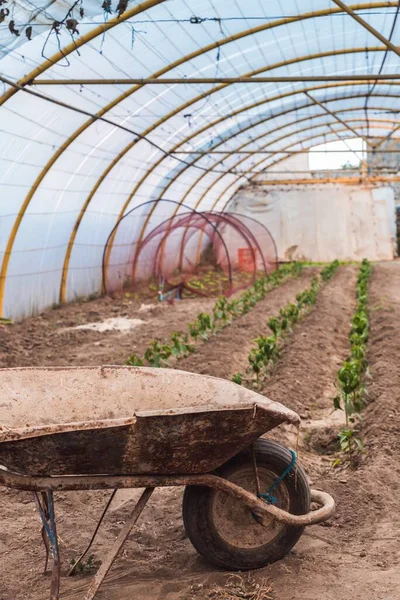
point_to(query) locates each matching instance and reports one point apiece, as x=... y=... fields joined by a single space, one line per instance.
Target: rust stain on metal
x=104 y=420
x=262 y=509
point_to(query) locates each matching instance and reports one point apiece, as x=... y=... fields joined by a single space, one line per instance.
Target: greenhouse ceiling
x=107 y=105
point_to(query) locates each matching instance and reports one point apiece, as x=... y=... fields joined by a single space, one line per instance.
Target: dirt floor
x=356 y=555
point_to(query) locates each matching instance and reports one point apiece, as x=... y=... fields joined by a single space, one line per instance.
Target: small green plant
x=85 y=566
x=351 y=375
x=274 y=323
x=328 y=271
x=157 y=354
x=221 y=312
x=206 y=325
x=135 y=361
x=4 y=321
x=268 y=348
x=180 y=345
x=237 y=378
x=266 y=352
x=349 y=441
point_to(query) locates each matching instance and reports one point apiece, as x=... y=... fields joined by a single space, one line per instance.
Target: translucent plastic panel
x=70 y=176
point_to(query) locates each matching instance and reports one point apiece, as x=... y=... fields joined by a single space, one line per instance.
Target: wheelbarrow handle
x=258 y=506
x=326 y=510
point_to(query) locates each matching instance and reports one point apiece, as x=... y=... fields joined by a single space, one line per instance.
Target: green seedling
x=353 y=371
x=237 y=378
x=275 y=326
x=180 y=345
x=158 y=354
x=84 y=566
x=135 y=361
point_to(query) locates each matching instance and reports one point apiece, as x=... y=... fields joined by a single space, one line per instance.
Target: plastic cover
x=75 y=158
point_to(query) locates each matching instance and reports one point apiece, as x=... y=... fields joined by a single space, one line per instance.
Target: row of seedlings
x=351 y=377
x=267 y=350
x=162 y=353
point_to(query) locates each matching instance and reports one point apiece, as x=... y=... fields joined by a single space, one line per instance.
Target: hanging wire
x=194 y=20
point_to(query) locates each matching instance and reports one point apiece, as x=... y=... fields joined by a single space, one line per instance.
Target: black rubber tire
x=198 y=515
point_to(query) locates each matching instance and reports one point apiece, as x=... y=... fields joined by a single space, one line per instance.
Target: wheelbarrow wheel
x=225 y=532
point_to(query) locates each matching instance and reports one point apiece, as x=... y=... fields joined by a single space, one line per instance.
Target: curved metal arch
x=97 y=31
x=262 y=135
x=206 y=192
x=243 y=109
x=286 y=148
x=236 y=214
x=78 y=43
x=242 y=229
x=175 y=148
x=148 y=4
x=326 y=124
x=282 y=159
x=58 y=56
x=236 y=133
x=67 y=143
x=308 y=118
x=115 y=228
x=164 y=119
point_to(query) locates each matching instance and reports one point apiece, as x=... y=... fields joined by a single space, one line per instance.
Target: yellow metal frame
x=64 y=276
x=350 y=11
x=78 y=43
x=346 y=180
x=218 y=80
x=163 y=120
x=235 y=134
x=25 y=81
x=283 y=181
x=189 y=138
x=313 y=137
x=80 y=130
x=63 y=289
x=263 y=147
x=92 y=35
x=273 y=141
x=282 y=159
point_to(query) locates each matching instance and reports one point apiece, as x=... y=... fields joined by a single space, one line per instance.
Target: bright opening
x=343 y=154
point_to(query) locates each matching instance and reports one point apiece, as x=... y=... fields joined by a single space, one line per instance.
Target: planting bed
x=356 y=556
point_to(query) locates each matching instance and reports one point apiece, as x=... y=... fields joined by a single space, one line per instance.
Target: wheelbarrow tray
x=126 y=420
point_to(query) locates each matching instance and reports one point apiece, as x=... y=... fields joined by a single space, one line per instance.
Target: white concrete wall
x=321 y=222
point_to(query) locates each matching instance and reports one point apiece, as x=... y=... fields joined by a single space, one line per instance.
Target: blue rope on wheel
x=269 y=495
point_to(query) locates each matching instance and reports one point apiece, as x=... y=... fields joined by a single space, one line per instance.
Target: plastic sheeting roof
x=75 y=158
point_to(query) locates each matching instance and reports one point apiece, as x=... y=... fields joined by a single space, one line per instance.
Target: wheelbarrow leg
x=45 y=508
x=82 y=556
x=119 y=542
x=46 y=511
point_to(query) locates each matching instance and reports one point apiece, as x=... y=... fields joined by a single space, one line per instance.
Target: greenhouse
x=204 y=195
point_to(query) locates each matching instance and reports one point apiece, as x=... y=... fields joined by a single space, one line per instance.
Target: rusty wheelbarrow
x=246 y=500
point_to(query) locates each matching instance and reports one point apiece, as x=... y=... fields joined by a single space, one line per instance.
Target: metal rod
x=103 y=514
x=103 y=482
x=119 y=542
x=47 y=514
x=55 y=575
x=251 y=152
x=256 y=476
x=367 y=26
x=386 y=138
x=215 y=80
x=346 y=180
x=329 y=112
x=41 y=504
